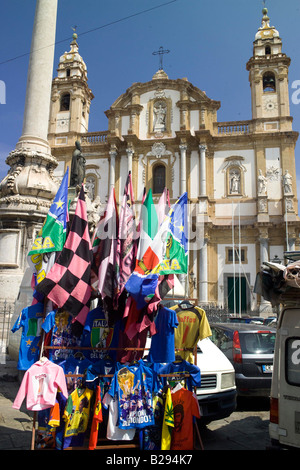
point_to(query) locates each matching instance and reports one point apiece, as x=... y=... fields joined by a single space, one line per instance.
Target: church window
x=65 y=102
x=159 y=178
x=68 y=72
x=268 y=50
x=269 y=83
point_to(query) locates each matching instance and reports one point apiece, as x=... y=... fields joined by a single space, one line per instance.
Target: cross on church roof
x=161 y=52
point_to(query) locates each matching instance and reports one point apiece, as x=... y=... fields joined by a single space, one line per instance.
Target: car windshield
x=260 y=342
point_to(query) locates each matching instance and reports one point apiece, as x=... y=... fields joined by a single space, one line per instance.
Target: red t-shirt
x=185 y=408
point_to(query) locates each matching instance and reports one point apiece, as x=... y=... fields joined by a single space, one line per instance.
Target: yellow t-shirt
x=193 y=326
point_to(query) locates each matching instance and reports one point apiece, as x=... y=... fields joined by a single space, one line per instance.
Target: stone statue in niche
x=287 y=183
x=160 y=114
x=262 y=183
x=234 y=182
x=77 y=166
x=90 y=187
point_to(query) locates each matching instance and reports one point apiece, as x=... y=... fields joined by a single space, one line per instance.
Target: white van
x=284 y=427
x=217 y=394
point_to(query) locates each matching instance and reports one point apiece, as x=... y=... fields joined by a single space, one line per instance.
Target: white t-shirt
x=113 y=432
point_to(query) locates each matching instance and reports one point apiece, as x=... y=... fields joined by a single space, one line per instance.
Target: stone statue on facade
x=287 y=183
x=77 y=166
x=262 y=183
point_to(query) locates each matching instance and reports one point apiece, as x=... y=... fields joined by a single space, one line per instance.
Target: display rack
x=106 y=444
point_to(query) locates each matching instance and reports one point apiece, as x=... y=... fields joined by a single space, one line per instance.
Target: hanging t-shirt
x=179 y=370
x=163 y=342
x=76 y=415
x=60 y=322
x=95 y=372
x=97 y=419
x=72 y=365
x=113 y=432
x=193 y=326
x=133 y=385
x=185 y=408
x=30 y=320
x=98 y=333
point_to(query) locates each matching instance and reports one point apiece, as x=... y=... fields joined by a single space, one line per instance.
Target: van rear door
x=288 y=377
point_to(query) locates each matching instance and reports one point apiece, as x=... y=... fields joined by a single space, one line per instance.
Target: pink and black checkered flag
x=68 y=282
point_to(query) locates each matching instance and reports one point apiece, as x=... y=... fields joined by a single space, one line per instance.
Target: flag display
x=68 y=282
x=104 y=245
x=127 y=240
x=165 y=252
x=52 y=236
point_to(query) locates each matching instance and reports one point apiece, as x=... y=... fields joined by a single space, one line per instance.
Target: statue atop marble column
x=77 y=166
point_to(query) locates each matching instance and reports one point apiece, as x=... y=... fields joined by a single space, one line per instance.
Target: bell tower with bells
x=268 y=77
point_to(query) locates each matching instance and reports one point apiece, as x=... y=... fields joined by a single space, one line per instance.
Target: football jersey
x=98 y=333
x=30 y=320
x=193 y=326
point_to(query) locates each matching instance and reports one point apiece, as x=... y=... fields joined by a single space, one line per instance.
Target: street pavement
x=245 y=429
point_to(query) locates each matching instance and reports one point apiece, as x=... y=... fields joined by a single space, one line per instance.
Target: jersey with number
x=193 y=326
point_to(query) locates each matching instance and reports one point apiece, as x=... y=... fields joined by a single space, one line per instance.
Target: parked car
x=250 y=349
x=268 y=320
x=217 y=393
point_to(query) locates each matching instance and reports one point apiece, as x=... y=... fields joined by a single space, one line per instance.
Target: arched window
x=269 y=83
x=159 y=179
x=65 y=102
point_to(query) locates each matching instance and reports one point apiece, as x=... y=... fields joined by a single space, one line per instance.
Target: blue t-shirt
x=134 y=385
x=163 y=342
x=30 y=320
x=60 y=322
x=98 y=333
x=179 y=369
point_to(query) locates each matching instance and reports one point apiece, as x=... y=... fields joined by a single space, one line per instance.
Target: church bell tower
x=70 y=99
x=268 y=76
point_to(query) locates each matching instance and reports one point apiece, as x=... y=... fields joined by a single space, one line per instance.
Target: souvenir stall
x=106 y=371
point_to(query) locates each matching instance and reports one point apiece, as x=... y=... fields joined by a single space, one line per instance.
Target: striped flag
x=68 y=283
x=52 y=236
x=127 y=240
x=104 y=245
x=166 y=252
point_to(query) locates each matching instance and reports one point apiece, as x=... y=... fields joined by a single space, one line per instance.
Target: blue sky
x=209 y=43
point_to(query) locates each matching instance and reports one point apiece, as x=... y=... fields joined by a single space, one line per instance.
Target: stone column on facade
x=130 y=153
x=202 y=149
x=183 y=149
x=112 y=166
x=265 y=306
x=203 y=272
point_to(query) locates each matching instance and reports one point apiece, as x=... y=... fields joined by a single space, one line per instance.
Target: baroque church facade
x=240 y=176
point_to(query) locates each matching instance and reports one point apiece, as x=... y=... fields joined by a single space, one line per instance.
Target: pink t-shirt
x=40 y=385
